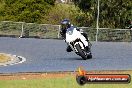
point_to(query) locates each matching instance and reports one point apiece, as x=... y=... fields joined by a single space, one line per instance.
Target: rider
x=65 y=24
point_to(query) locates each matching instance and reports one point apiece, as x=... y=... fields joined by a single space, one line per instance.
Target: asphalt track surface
x=44 y=55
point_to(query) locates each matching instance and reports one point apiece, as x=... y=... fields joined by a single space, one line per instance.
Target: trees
x=113 y=13
x=84 y=5
x=66 y=11
x=25 y=10
x=85 y=18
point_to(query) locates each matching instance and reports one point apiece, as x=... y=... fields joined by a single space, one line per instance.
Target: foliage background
x=113 y=13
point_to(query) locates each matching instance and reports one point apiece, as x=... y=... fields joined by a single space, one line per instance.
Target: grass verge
x=54 y=81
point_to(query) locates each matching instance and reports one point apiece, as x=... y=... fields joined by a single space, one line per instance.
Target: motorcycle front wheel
x=81 y=52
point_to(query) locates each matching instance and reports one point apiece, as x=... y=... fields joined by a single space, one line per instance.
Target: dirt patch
x=4 y=58
x=28 y=76
x=8 y=59
x=48 y=75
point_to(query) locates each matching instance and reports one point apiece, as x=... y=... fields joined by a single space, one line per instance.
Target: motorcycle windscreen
x=72 y=34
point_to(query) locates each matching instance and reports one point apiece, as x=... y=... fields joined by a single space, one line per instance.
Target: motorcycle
x=78 y=43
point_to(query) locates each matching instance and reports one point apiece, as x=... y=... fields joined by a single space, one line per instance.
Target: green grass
x=66 y=82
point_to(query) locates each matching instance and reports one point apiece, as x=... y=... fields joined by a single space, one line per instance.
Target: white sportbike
x=78 y=43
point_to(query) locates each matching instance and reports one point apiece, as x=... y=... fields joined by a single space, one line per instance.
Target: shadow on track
x=76 y=58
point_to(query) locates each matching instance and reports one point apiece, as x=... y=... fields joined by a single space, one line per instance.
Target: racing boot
x=68 y=49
